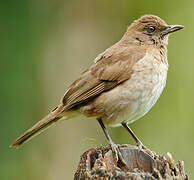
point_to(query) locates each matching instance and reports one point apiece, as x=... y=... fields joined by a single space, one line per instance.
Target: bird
x=122 y=84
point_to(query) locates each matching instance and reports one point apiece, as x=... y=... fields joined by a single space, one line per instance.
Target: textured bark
x=98 y=164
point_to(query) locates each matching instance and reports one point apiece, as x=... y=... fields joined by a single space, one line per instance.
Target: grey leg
x=116 y=152
x=139 y=143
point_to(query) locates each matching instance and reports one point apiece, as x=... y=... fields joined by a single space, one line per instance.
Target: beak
x=171 y=28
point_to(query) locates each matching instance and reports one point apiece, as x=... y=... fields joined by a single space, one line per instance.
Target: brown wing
x=111 y=68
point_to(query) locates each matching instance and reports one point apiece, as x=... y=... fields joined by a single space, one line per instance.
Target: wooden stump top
x=98 y=164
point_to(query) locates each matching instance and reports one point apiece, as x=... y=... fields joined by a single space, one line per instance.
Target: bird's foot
x=117 y=156
x=148 y=151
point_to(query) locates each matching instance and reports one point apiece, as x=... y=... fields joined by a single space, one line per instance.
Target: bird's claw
x=140 y=146
x=148 y=151
x=117 y=156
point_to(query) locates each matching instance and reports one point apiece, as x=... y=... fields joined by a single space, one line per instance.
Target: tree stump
x=98 y=164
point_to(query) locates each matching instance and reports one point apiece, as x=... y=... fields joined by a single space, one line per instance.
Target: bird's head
x=150 y=29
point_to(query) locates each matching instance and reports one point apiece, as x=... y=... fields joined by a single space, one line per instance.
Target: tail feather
x=39 y=126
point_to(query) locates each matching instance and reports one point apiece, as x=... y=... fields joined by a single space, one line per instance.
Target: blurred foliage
x=45 y=45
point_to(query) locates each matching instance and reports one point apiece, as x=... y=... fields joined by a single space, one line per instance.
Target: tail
x=39 y=127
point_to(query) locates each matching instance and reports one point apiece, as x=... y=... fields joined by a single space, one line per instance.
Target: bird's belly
x=134 y=106
x=140 y=92
x=132 y=99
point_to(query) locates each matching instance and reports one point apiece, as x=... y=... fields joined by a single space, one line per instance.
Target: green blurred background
x=45 y=45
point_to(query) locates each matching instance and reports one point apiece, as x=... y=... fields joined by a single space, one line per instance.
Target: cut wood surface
x=98 y=164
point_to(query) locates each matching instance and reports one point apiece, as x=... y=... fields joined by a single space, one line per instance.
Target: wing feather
x=113 y=67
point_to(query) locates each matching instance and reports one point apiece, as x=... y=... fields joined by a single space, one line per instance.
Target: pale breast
x=132 y=99
x=145 y=86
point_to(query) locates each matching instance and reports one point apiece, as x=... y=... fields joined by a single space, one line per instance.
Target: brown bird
x=122 y=85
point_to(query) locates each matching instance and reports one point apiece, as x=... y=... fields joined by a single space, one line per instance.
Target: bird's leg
x=115 y=149
x=138 y=142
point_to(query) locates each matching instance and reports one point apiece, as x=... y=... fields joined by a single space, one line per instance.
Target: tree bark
x=98 y=164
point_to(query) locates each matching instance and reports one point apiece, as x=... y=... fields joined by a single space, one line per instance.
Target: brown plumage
x=114 y=71
x=107 y=72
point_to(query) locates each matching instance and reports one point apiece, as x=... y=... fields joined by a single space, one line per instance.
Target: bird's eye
x=151 y=29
